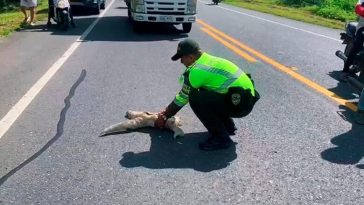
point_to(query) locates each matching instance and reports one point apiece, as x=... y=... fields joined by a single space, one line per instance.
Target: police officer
x=216 y=89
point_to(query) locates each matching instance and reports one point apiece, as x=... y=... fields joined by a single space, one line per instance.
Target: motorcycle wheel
x=96 y=10
x=64 y=20
x=357 y=62
x=102 y=5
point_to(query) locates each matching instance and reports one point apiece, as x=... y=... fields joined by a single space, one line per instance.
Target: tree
x=2 y=4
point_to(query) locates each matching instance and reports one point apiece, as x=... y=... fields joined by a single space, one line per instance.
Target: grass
x=12 y=20
x=305 y=14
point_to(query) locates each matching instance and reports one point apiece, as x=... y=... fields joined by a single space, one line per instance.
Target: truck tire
x=186 y=27
x=137 y=27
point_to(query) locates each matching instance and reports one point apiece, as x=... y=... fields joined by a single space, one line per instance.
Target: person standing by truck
x=217 y=91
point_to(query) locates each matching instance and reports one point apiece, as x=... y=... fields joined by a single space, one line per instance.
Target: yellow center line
x=281 y=67
x=230 y=46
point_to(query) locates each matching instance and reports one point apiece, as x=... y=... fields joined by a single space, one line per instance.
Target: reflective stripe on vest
x=230 y=77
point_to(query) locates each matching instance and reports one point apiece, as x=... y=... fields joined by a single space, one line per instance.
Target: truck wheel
x=186 y=27
x=137 y=27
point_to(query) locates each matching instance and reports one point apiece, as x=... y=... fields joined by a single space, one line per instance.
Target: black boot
x=216 y=143
x=230 y=126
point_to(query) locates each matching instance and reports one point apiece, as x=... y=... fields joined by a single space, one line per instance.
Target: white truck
x=162 y=11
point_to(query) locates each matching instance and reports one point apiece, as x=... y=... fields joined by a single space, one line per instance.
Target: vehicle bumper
x=84 y=3
x=164 y=18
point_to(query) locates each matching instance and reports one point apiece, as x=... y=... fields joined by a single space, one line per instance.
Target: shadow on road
x=349 y=146
x=166 y=152
x=113 y=28
x=121 y=7
x=343 y=89
x=60 y=127
x=118 y=28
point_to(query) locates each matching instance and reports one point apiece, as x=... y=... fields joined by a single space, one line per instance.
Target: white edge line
x=281 y=24
x=7 y=121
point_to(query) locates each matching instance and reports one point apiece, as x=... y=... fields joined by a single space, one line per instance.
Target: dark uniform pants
x=215 y=110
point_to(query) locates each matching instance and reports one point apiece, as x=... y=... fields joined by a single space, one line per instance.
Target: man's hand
x=160 y=122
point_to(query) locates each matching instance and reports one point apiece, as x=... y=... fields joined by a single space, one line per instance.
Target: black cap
x=185 y=47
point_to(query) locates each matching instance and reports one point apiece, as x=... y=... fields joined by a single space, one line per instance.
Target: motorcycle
x=356 y=71
x=216 y=2
x=61 y=14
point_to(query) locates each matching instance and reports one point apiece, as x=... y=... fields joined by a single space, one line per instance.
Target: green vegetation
x=330 y=13
x=333 y=9
x=11 y=17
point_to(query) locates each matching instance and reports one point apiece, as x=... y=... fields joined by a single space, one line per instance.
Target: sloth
x=138 y=119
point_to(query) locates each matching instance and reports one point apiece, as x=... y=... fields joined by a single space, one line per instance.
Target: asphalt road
x=298 y=146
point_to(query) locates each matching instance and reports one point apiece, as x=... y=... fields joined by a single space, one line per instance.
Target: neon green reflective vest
x=213 y=74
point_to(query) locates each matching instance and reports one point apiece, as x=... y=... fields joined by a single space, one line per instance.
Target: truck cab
x=162 y=11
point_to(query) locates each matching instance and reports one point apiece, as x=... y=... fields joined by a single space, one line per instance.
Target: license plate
x=166 y=18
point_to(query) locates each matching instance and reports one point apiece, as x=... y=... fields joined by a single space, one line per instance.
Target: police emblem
x=235 y=99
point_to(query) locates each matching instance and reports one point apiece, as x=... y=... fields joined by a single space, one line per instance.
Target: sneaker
x=360 y=117
x=32 y=24
x=216 y=143
x=26 y=20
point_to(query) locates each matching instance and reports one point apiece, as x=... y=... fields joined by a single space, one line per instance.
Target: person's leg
x=23 y=10
x=229 y=125
x=209 y=108
x=358 y=45
x=205 y=105
x=50 y=12
x=360 y=112
x=32 y=15
x=71 y=16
